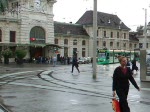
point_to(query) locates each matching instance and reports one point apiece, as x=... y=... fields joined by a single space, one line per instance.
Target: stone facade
x=21 y=18
x=110 y=40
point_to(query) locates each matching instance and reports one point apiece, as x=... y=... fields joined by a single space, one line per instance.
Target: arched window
x=56 y=41
x=66 y=41
x=0 y=35
x=74 y=42
x=83 y=42
x=37 y=35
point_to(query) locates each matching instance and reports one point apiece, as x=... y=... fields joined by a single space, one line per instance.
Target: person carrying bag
x=120 y=86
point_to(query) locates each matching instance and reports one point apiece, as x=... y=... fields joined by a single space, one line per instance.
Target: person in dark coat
x=121 y=77
x=128 y=63
x=134 y=67
x=75 y=63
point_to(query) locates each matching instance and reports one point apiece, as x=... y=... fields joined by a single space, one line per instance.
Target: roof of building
x=103 y=20
x=69 y=29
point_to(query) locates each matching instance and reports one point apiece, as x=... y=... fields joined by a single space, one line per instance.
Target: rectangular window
x=66 y=42
x=140 y=45
x=104 y=33
x=75 y=52
x=134 y=45
x=146 y=45
x=97 y=43
x=124 y=35
x=83 y=52
x=124 y=45
x=65 y=51
x=117 y=44
x=12 y=36
x=111 y=34
x=56 y=41
x=117 y=34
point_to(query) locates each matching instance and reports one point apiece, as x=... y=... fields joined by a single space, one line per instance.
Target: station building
x=28 y=24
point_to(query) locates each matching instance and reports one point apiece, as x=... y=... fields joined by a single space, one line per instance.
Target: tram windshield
x=101 y=55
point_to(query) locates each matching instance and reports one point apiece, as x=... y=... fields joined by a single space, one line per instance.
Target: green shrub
x=20 y=53
x=7 y=53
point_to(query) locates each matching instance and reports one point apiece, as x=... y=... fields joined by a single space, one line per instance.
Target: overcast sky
x=129 y=11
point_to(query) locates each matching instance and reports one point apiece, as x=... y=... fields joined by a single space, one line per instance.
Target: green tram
x=111 y=56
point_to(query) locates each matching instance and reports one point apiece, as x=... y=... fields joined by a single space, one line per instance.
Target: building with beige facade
x=29 y=24
x=112 y=33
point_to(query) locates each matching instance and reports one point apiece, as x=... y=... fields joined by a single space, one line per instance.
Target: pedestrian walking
x=134 y=66
x=75 y=63
x=128 y=63
x=54 y=61
x=121 y=77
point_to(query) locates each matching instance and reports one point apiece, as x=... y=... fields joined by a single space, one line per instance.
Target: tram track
x=64 y=86
x=101 y=94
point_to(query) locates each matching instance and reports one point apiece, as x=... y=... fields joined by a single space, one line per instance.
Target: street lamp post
x=145 y=28
x=94 y=39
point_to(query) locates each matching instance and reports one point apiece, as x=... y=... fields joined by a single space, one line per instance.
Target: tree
x=7 y=53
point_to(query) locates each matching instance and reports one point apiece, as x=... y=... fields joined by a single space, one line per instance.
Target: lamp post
x=145 y=29
x=94 y=39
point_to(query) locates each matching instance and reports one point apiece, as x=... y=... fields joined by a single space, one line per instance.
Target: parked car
x=83 y=60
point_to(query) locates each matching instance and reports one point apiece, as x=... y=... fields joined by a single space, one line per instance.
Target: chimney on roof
x=70 y=22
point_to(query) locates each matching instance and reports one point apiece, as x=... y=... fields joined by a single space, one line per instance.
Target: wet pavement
x=43 y=88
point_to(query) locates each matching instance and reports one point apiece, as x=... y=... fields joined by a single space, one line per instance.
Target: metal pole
x=145 y=32
x=94 y=39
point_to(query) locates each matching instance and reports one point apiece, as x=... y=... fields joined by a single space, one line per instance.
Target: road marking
x=10 y=74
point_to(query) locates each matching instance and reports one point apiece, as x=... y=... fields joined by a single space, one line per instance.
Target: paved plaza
x=44 y=88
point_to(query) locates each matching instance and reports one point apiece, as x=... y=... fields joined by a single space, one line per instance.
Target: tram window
x=102 y=55
x=107 y=56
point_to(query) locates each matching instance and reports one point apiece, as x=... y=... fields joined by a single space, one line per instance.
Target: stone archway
x=37 y=39
x=37 y=35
